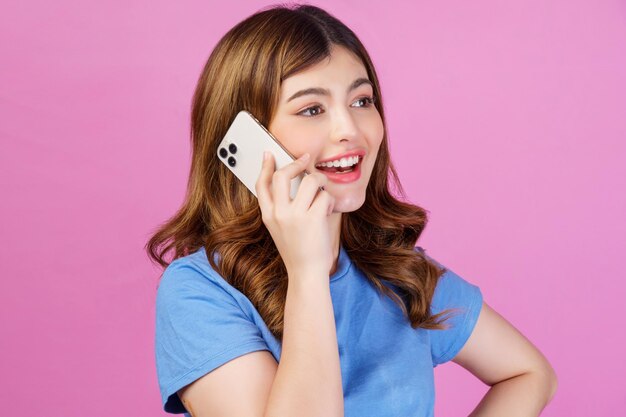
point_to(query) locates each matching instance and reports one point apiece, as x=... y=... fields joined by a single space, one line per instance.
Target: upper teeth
x=343 y=162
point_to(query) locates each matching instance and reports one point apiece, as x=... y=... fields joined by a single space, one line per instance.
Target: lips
x=345 y=178
x=339 y=168
x=360 y=153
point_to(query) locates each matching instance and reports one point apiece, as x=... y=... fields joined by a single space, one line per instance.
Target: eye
x=365 y=101
x=312 y=111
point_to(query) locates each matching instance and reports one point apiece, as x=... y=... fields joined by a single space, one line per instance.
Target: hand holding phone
x=301 y=232
x=300 y=227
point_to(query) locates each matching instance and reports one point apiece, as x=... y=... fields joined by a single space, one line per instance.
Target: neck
x=334 y=224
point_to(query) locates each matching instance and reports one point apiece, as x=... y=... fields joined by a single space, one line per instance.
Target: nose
x=344 y=126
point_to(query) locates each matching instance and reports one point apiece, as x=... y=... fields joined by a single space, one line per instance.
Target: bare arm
x=308 y=380
x=522 y=380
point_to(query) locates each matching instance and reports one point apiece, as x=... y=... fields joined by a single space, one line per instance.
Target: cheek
x=378 y=130
x=298 y=138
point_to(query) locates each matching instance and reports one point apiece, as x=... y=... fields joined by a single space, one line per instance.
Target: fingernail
x=266 y=155
x=305 y=157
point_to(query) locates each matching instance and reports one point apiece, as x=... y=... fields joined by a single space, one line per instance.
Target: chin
x=346 y=204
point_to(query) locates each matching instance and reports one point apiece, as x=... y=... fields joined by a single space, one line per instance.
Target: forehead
x=337 y=71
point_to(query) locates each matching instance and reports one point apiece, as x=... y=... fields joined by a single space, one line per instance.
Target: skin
x=325 y=125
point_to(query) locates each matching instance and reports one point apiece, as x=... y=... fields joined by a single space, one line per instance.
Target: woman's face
x=327 y=111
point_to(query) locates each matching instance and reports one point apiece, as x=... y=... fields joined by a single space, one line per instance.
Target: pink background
x=507 y=122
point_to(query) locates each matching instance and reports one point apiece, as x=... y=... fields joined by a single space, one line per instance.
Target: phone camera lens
x=232 y=161
x=232 y=148
x=223 y=152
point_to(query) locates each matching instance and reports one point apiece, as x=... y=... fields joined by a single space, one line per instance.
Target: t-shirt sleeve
x=199 y=327
x=453 y=292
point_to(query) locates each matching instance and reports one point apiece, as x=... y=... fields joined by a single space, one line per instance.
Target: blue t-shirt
x=203 y=322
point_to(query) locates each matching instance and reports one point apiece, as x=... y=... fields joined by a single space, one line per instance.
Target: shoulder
x=192 y=277
x=201 y=323
x=462 y=300
x=191 y=271
x=451 y=287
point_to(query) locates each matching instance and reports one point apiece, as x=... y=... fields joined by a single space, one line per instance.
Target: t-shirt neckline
x=343 y=264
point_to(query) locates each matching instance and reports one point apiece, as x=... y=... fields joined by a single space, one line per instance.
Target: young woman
x=321 y=305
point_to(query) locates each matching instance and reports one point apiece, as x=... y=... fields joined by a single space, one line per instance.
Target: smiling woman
x=345 y=124
x=320 y=305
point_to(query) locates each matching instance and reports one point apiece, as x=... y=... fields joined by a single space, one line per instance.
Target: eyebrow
x=324 y=92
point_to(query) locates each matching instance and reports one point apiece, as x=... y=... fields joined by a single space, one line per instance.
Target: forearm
x=308 y=378
x=522 y=396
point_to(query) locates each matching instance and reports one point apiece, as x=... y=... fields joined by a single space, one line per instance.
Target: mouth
x=342 y=174
x=350 y=165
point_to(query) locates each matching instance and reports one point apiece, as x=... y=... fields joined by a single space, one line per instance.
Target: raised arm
x=307 y=381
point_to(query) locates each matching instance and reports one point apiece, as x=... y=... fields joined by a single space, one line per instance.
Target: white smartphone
x=241 y=150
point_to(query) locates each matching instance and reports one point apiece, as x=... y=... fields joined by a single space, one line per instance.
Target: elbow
x=544 y=383
x=552 y=380
x=554 y=383
x=549 y=381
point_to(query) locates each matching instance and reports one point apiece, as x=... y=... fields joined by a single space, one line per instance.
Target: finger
x=309 y=187
x=281 y=180
x=262 y=185
x=323 y=205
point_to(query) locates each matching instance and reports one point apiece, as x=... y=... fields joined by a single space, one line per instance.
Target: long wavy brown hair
x=244 y=72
